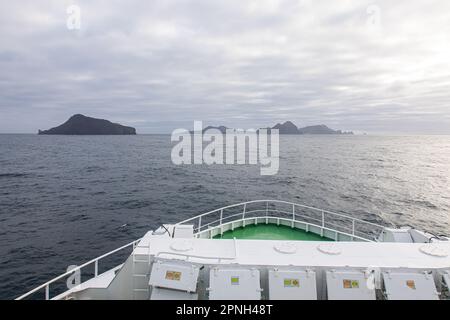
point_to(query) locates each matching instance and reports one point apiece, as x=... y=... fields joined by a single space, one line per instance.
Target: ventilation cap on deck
x=181 y=245
x=329 y=248
x=434 y=250
x=285 y=247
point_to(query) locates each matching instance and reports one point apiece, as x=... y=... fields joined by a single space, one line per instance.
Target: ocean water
x=67 y=199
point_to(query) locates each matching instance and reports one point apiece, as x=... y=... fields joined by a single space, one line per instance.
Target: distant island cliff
x=290 y=128
x=82 y=125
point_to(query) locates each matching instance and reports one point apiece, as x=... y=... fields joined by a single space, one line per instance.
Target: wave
x=13 y=175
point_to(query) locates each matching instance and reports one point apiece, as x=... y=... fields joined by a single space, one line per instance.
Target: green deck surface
x=270 y=232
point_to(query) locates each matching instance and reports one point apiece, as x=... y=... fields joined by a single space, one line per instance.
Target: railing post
x=220 y=223
x=47 y=292
x=353 y=228
x=323 y=223
x=200 y=224
x=267 y=208
x=293 y=216
x=323 y=219
x=243 y=212
x=96 y=268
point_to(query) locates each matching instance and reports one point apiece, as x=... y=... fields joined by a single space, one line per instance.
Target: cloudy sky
x=367 y=66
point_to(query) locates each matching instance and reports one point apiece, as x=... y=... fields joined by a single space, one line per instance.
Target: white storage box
x=292 y=285
x=349 y=285
x=409 y=286
x=234 y=284
x=174 y=275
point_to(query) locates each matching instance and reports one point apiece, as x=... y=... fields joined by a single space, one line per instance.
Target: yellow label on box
x=235 y=281
x=173 y=275
x=289 y=283
x=411 y=284
x=351 y=284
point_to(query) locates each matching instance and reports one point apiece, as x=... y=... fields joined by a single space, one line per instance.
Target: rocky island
x=290 y=128
x=82 y=125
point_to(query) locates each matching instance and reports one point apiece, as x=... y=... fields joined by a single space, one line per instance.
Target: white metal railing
x=325 y=219
x=321 y=218
x=46 y=286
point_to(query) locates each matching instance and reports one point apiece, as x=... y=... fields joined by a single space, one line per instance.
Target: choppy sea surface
x=67 y=199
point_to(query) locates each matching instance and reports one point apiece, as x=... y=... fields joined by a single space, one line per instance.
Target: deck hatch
x=174 y=275
x=409 y=286
x=234 y=284
x=349 y=285
x=292 y=284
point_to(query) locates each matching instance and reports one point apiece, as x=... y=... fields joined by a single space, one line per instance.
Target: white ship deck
x=331 y=251
x=307 y=253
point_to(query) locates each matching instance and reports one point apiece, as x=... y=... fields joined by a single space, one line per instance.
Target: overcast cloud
x=366 y=66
